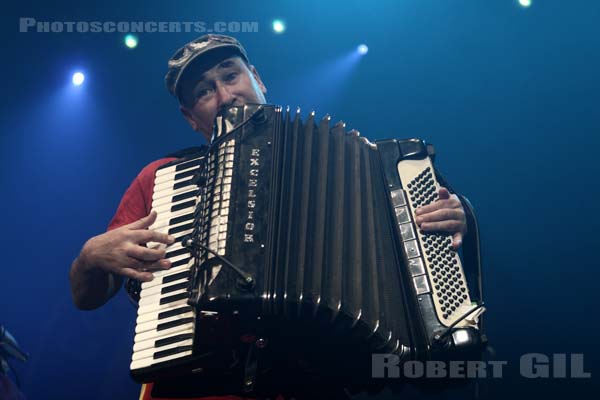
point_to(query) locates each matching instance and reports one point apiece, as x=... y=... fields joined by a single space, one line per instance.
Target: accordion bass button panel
x=435 y=267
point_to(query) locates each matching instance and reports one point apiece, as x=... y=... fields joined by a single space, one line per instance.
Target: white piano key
x=150 y=352
x=172 y=169
x=168 y=199
x=158 y=297
x=158 y=308
x=155 y=315
x=151 y=343
x=165 y=227
x=150 y=291
x=187 y=180
x=158 y=276
x=172 y=192
x=169 y=184
x=165 y=208
x=176 y=330
x=169 y=177
x=153 y=325
x=163 y=220
x=149 y=361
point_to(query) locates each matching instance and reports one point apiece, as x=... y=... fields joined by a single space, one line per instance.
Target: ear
x=261 y=85
x=187 y=114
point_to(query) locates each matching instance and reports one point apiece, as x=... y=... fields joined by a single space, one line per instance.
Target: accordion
x=296 y=244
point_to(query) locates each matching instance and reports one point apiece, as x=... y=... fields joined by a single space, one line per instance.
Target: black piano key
x=177 y=311
x=183 y=196
x=170 y=352
x=188 y=164
x=182 y=218
x=174 y=288
x=178 y=263
x=178 y=238
x=175 y=297
x=177 y=252
x=175 y=277
x=181 y=228
x=179 y=185
x=187 y=204
x=172 y=324
x=173 y=339
x=182 y=175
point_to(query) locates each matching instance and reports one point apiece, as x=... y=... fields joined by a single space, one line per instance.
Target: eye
x=231 y=76
x=200 y=93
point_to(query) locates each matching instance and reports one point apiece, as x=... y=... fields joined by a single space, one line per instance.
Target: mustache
x=235 y=103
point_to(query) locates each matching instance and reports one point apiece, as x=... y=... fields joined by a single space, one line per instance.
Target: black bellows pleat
x=315 y=246
x=278 y=175
x=335 y=224
x=285 y=143
x=369 y=273
x=351 y=277
x=301 y=193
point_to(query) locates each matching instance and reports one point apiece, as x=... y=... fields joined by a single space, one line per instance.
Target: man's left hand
x=444 y=215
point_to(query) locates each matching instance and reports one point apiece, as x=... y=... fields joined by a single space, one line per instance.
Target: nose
x=226 y=98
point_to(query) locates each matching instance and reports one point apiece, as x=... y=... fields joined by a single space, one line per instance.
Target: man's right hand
x=122 y=251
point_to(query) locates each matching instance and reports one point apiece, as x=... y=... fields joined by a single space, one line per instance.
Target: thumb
x=143 y=223
x=457 y=240
x=443 y=193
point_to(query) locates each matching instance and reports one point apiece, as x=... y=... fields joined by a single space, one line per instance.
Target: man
x=206 y=76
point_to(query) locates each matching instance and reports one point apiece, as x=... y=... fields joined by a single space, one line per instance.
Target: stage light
x=525 y=3
x=362 y=49
x=131 y=41
x=278 y=26
x=78 y=78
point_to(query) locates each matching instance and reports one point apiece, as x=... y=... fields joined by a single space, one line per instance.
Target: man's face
x=229 y=83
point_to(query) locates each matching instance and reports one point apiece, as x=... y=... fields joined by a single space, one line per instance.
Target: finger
x=443 y=193
x=134 y=274
x=442 y=226
x=436 y=205
x=441 y=215
x=145 y=254
x=451 y=202
x=149 y=265
x=457 y=240
x=143 y=223
x=148 y=235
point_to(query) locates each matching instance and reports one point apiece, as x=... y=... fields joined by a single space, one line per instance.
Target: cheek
x=204 y=115
x=253 y=91
x=206 y=109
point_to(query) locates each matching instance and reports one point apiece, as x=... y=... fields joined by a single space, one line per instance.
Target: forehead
x=205 y=74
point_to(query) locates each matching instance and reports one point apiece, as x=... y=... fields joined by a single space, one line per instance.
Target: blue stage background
x=509 y=95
